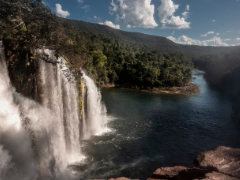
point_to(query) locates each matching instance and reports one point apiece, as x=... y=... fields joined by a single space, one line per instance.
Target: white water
x=40 y=139
x=8 y=112
x=60 y=95
x=16 y=155
x=9 y=115
x=95 y=122
x=4 y=161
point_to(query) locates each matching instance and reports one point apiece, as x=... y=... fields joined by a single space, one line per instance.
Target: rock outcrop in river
x=222 y=163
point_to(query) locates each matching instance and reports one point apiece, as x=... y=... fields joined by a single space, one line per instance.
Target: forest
x=30 y=25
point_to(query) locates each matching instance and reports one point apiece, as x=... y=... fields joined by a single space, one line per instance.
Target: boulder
x=225 y=159
x=219 y=176
x=222 y=163
x=119 y=178
x=180 y=173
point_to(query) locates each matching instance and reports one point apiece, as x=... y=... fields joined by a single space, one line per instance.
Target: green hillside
x=110 y=56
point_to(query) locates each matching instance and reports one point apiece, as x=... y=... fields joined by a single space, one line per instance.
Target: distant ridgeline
x=110 y=56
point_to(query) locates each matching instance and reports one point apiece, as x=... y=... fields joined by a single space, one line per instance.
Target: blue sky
x=202 y=22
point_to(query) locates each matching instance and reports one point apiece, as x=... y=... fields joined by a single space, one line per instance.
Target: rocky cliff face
x=24 y=70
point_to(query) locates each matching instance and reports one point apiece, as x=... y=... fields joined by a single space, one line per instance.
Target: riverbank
x=187 y=90
x=151 y=131
x=221 y=163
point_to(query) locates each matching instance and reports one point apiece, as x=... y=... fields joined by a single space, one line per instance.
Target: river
x=150 y=131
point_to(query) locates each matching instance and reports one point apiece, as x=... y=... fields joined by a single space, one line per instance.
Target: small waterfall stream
x=52 y=129
x=95 y=122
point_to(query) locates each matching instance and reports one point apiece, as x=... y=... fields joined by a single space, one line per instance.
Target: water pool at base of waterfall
x=150 y=131
x=143 y=132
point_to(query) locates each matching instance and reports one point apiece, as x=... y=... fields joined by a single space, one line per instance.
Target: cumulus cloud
x=214 y=41
x=134 y=13
x=60 y=12
x=185 y=40
x=110 y=24
x=169 y=19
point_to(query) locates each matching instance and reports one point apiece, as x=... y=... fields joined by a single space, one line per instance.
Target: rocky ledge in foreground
x=223 y=163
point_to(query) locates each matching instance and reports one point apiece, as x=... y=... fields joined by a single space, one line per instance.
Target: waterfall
x=60 y=95
x=95 y=122
x=9 y=112
x=41 y=139
x=16 y=155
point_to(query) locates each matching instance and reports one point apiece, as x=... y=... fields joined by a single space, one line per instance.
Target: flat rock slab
x=219 y=176
x=226 y=160
x=222 y=163
x=180 y=173
x=170 y=171
x=119 y=178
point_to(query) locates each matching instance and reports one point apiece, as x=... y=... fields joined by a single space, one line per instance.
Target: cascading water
x=39 y=140
x=60 y=95
x=16 y=155
x=8 y=111
x=95 y=122
x=49 y=132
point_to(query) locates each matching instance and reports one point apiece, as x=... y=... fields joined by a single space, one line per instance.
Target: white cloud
x=185 y=40
x=238 y=39
x=167 y=16
x=208 y=33
x=60 y=12
x=227 y=39
x=214 y=41
x=134 y=13
x=110 y=24
x=186 y=12
x=172 y=38
x=85 y=7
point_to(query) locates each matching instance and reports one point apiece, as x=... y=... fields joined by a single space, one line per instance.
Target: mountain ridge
x=109 y=54
x=139 y=37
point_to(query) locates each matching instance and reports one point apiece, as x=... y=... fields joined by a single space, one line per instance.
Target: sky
x=200 y=22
